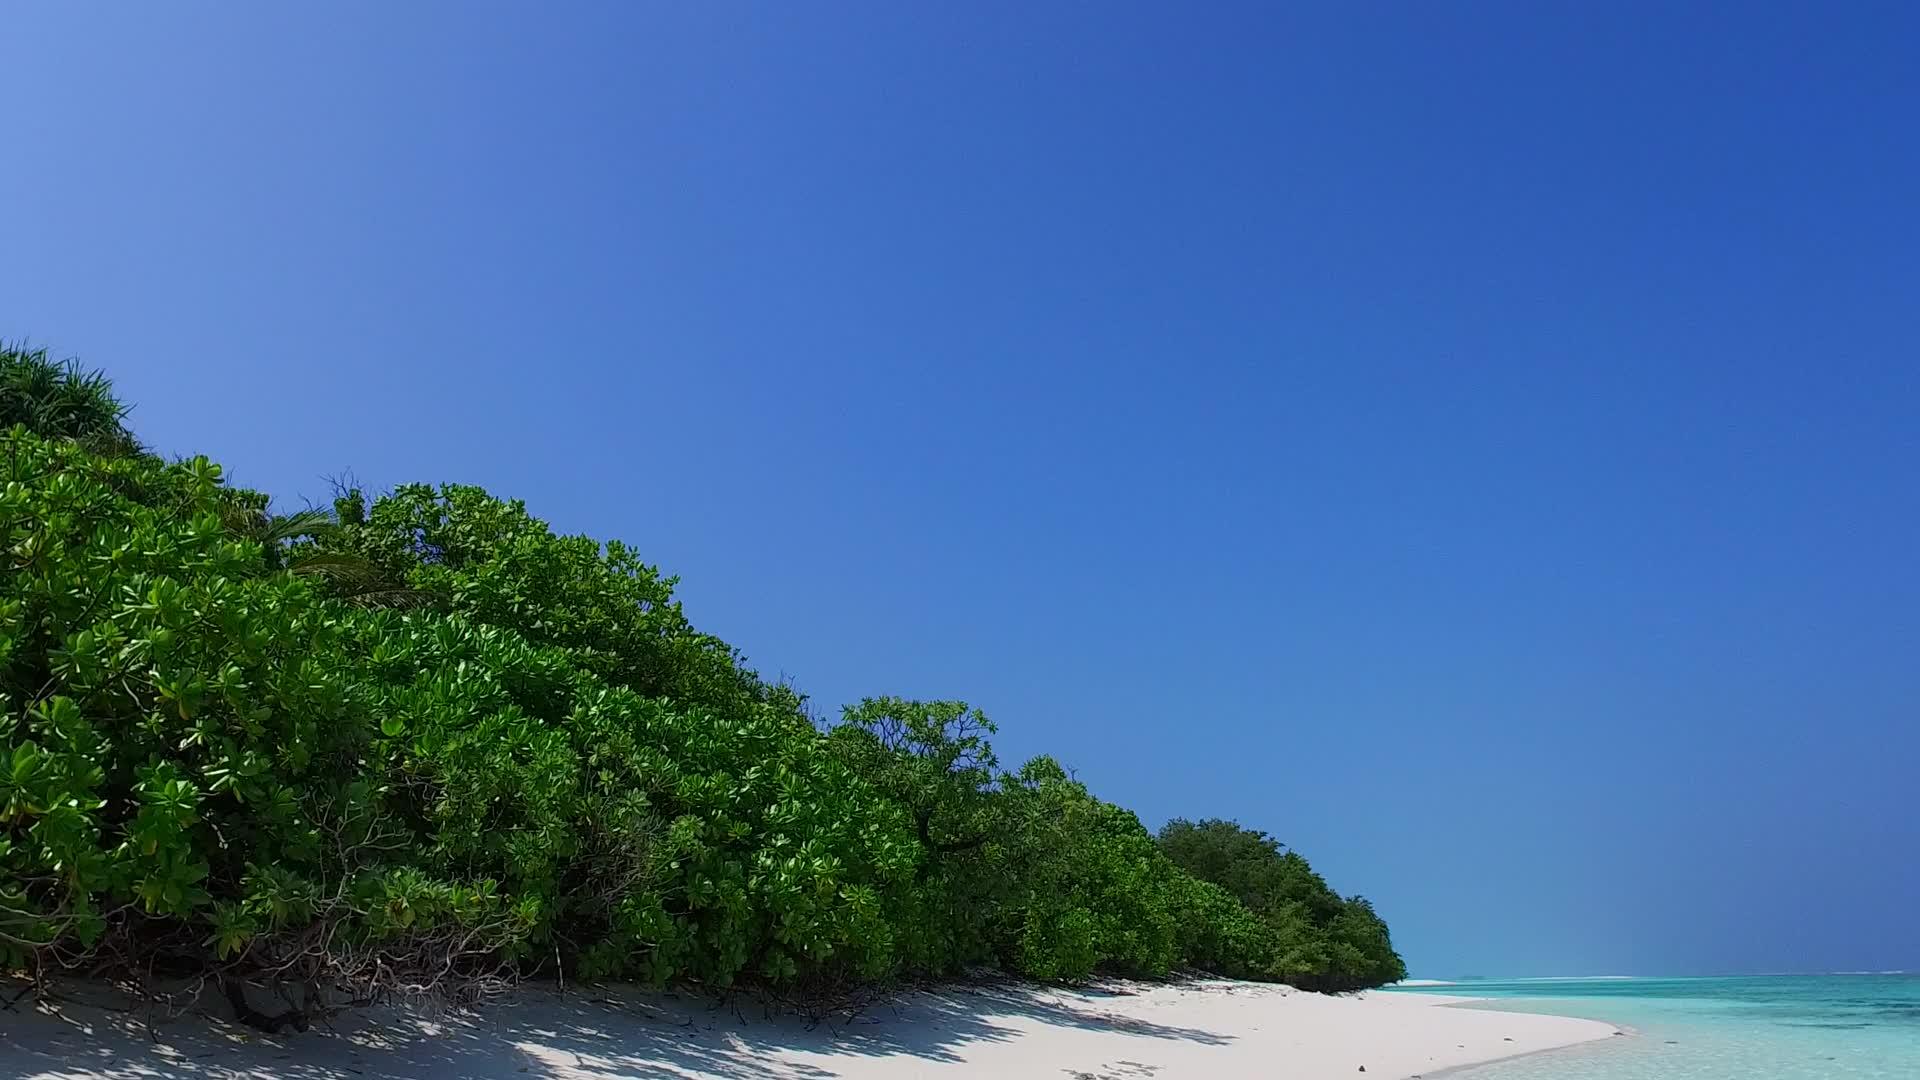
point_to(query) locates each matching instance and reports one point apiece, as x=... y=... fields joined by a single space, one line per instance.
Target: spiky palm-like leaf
x=352 y=578
x=312 y=523
x=298 y=543
x=61 y=400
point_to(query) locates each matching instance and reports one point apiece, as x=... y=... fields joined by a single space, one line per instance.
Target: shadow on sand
x=588 y=1035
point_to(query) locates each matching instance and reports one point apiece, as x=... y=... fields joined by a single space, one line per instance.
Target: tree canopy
x=420 y=743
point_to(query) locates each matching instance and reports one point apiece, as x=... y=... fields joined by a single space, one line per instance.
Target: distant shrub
x=1312 y=937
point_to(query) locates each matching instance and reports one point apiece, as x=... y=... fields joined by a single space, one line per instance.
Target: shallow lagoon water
x=1781 y=1027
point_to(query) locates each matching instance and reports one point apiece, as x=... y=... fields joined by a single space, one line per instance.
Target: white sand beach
x=1123 y=1032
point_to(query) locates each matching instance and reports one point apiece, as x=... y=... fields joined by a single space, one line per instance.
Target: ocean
x=1775 y=1027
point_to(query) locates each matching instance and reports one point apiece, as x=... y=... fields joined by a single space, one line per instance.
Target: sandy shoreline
x=1133 y=1032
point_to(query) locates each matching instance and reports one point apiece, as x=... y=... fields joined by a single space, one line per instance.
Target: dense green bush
x=197 y=767
x=424 y=744
x=1312 y=937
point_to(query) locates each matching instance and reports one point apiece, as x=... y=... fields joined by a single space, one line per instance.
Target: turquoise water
x=1777 y=1027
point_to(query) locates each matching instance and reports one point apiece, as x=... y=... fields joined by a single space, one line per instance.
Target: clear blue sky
x=1475 y=443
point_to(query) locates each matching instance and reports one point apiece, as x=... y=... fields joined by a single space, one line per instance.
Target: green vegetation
x=1312 y=936
x=421 y=744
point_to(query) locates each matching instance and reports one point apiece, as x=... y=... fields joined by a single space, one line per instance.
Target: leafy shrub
x=195 y=770
x=1314 y=938
x=1216 y=933
x=424 y=744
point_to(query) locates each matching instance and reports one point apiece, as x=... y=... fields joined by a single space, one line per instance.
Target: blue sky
x=1475 y=443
